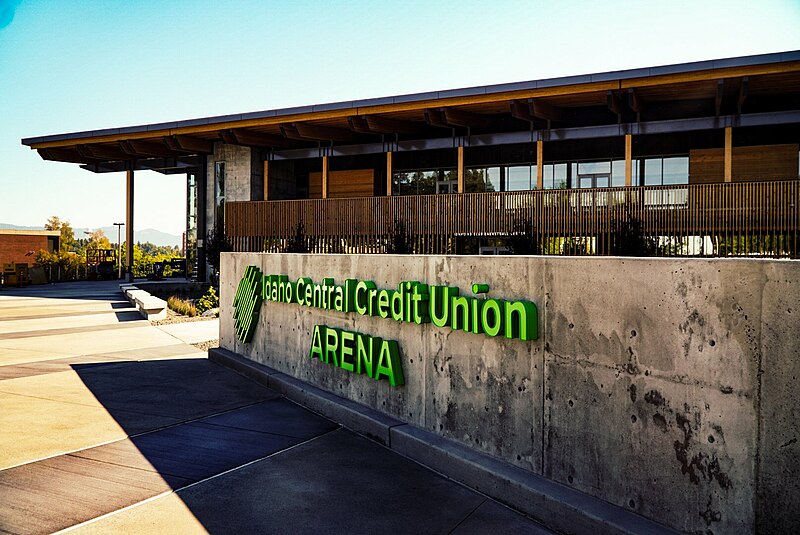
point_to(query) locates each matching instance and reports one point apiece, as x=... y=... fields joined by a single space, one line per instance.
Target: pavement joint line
x=111 y=513
x=175 y=337
x=175 y=491
x=127 y=437
x=21 y=335
x=467 y=516
x=65 y=314
x=104 y=353
x=273 y=454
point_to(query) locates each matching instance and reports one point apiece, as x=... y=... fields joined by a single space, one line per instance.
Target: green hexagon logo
x=247 y=304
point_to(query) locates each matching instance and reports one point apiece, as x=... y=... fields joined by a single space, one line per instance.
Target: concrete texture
x=558 y=507
x=319 y=486
x=158 y=439
x=193 y=332
x=664 y=386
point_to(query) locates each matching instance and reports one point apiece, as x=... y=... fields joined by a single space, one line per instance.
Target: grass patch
x=182 y=306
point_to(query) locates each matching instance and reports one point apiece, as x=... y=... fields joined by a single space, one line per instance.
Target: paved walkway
x=109 y=424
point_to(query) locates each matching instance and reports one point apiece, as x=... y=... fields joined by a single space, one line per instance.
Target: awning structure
x=752 y=90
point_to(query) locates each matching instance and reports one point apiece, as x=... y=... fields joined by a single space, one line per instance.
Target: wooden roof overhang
x=733 y=92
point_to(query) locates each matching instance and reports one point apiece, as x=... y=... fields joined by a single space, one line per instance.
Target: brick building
x=21 y=246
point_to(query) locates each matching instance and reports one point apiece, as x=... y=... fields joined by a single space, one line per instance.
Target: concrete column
x=461 y=169
x=389 y=173
x=129 y=224
x=628 y=159
x=728 y=158
x=540 y=164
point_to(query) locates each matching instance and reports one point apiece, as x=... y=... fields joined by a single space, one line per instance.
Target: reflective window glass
x=676 y=170
x=592 y=168
x=652 y=172
x=618 y=173
x=519 y=178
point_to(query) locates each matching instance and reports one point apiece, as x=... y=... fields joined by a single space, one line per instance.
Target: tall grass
x=181 y=306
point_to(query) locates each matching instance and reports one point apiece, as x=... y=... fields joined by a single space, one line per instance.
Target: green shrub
x=208 y=301
x=182 y=306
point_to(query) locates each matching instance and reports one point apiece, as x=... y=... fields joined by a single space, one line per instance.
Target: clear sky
x=67 y=66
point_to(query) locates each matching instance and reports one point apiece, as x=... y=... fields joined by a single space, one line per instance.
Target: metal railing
x=727 y=219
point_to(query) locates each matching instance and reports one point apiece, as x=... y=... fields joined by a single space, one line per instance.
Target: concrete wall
x=665 y=386
x=244 y=176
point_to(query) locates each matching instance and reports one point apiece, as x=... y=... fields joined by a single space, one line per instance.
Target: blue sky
x=79 y=65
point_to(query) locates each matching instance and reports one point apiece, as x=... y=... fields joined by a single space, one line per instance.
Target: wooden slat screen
x=739 y=218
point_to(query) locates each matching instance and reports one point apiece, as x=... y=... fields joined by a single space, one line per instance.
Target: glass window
x=482 y=179
x=652 y=171
x=426 y=182
x=423 y=182
x=555 y=176
x=676 y=170
x=219 y=190
x=666 y=171
x=618 y=173
x=519 y=177
x=593 y=168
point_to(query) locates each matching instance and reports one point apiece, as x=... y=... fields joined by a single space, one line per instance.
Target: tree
x=98 y=240
x=67 y=234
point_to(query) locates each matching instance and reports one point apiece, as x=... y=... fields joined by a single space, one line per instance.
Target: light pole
x=119 y=250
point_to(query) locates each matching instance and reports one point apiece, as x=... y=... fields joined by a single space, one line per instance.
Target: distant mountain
x=154 y=236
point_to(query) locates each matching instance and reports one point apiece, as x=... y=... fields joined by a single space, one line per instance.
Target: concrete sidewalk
x=111 y=424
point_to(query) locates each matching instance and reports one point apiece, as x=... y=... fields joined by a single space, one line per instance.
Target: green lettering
x=383 y=303
x=389 y=363
x=316 y=342
x=397 y=304
x=346 y=340
x=460 y=313
x=338 y=299
x=527 y=325
x=365 y=351
x=332 y=346
x=491 y=317
x=440 y=304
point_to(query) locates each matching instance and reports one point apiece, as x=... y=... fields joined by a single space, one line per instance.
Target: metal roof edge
x=639 y=72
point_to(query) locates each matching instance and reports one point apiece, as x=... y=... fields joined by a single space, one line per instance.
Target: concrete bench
x=152 y=308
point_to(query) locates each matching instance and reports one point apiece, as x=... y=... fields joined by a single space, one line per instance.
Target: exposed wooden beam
x=614 y=104
x=358 y=124
x=190 y=144
x=466 y=119
x=389 y=173
x=103 y=153
x=521 y=109
x=255 y=139
x=629 y=160
x=460 y=169
x=385 y=125
x=545 y=111
x=325 y=177
x=718 y=97
x=323 y=133
x=266 y=180
x=129 y=224
x=436 y=118
x=140 y=148
x=728 y=155
x=290 y=132
x=742 y=94
x=65 y=155
x=540 y=164
x=636 y=104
